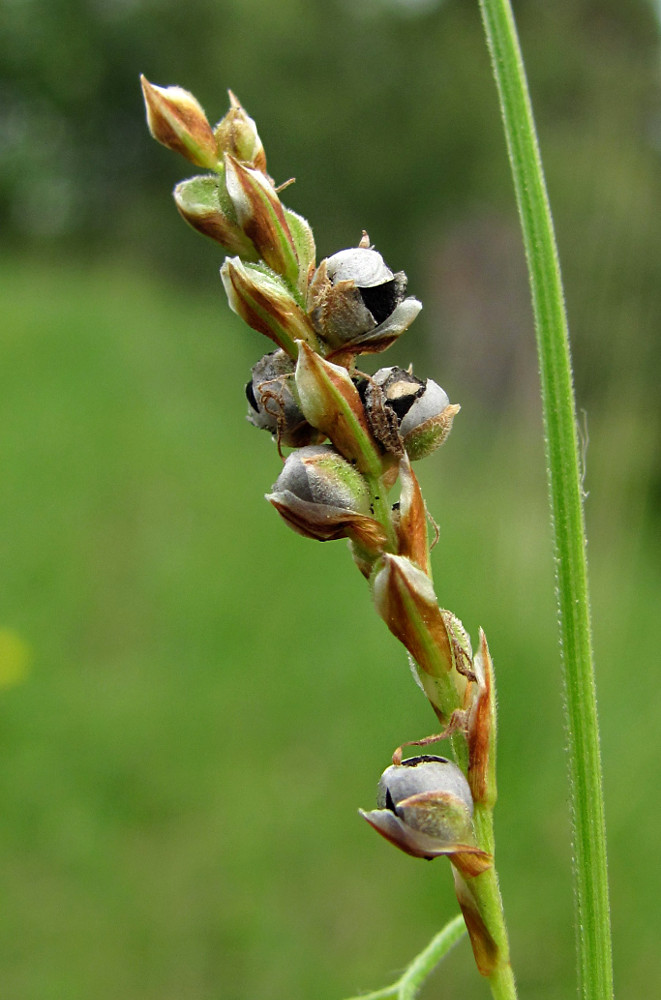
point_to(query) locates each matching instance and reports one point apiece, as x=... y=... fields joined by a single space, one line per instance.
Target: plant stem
x=409 y=983
x=424 y=963
x=410 y=609
x=589 y=837
x=486 y=892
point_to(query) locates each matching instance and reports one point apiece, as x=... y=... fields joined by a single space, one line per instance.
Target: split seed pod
x=357 y=304
x=405 y=413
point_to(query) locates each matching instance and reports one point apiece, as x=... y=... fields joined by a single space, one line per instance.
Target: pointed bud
x=273 y=405
x=322 y=496
x=261 y=216
x=330 y=402
x=261 y=299
x=425 y=809
x=405 y=599
x=357 y=304
x=176 y=119
x=237 y=135
x=199 y=203
x=481 y=729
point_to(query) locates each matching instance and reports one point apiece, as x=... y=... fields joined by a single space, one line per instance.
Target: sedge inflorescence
x=347 y=440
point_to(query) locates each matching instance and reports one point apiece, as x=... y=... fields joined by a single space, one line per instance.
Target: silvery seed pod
x=321 y=495
x=422 y=774
x=355 y=299
x=273 y=404
x=426 y=809
x=407 y=413
x=317 y=474
x=400 y=388
x=379 y=288
x=428 y=422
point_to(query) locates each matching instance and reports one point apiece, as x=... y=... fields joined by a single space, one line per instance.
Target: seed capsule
x=321 y=495
x=400 y=389
x=426 y=809
x=273 y=404
x=405 y=413
x=387 y=397
x=317 y=474
x=379 y=288
x=423 y=775
x=355 y=299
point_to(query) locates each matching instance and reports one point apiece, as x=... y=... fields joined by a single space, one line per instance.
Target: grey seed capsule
x=273 y=405
x=267 y=391
x=425 y=809
x=422 y=774
x=366 y=267
x=355 y=298
x=427 y=405
x=318 y=474
x=388 y=397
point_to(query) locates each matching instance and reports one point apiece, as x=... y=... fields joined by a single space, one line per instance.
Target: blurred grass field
x=195 y=701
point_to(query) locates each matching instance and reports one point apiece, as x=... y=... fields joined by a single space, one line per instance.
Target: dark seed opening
x=402 y=404
x=401 y=391
x=251 y=397
x=381 y=300
x=423 y=758
x=361 y=385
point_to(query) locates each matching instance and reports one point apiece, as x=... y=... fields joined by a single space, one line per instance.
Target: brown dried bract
x=382 y=419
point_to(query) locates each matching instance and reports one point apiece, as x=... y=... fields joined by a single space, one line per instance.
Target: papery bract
x=176 y=119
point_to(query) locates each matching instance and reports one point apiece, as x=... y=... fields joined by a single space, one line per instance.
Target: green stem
x=479 y=896
x=411 y=619
x=590 y=874
x=409 y=983
x=424 y=963
x=486 y=892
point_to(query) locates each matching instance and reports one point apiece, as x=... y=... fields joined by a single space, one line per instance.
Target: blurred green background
x=194 y=701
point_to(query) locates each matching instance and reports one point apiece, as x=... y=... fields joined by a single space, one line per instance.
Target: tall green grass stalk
x=562 y=454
